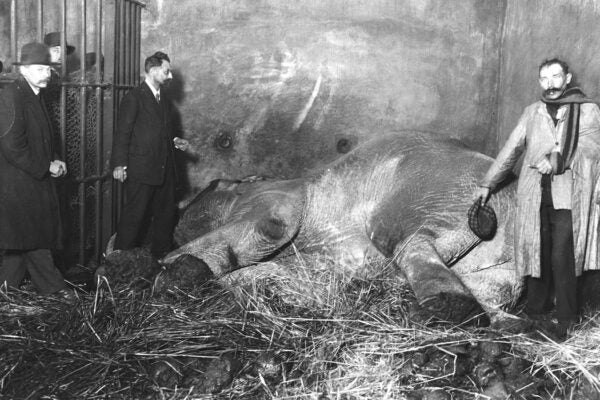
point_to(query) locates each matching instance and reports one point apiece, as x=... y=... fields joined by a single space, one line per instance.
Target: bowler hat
x=52 y=39
x=482 y=220
x=34 y=53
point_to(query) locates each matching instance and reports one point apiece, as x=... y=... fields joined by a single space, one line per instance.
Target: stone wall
x=275 y=88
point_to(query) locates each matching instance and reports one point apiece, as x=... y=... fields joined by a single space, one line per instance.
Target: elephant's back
x=393 y=186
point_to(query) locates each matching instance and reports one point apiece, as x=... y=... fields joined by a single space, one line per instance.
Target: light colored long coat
x=534 y=135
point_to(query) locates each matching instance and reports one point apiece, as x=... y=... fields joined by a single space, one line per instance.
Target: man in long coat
x=143 y=158
x=29 y=209
x=556 y=221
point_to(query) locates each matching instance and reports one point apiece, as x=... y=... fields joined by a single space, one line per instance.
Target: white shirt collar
x=154 y=91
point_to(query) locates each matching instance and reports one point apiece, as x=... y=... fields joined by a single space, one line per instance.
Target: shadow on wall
x=175 y=91
x=175 y=88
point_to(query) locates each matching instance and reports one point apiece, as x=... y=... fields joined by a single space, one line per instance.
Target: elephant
x=401 y=197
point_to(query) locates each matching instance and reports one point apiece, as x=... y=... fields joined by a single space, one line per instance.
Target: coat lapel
x=36 y=109
x=156 y=110
x=150 y=103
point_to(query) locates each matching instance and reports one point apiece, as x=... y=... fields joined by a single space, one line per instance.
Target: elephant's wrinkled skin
x=403 y=196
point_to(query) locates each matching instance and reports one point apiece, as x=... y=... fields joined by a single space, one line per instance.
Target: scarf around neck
x=573 y=97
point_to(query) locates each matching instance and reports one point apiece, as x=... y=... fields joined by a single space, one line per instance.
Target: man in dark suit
x=143 y=158
x=29 y=209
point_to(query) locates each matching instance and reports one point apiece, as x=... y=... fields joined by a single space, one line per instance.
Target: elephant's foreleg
x=438 y=290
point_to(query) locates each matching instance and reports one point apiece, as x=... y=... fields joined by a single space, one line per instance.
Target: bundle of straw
x=312 y=335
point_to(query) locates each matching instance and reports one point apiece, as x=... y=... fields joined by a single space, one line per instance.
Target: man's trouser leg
x=43 y=272
x=539 y=290
x=40 y=265
x=12 y=271
x=563 y=267
x=164 y=214
x=135 y=209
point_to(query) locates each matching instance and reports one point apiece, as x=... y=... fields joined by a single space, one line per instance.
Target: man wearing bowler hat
x=53 y=89
x=29 y=210
x=52 y=40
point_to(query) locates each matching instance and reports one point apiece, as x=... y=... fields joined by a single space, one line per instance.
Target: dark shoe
x=67 y=295
x=538 y=316
x=566 y=325
x=559 y=330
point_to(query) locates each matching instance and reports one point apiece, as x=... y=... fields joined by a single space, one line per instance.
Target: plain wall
x=294 y=84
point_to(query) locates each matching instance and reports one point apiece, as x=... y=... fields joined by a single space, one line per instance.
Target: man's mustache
x=551 y=90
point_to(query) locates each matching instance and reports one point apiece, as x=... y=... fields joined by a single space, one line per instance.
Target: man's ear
x=569 y=76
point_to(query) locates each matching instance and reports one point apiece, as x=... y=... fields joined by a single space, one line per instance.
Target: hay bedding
x=306 y=334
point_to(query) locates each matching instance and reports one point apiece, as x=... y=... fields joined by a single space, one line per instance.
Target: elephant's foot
x=135 y=267
x=186 y=272
x=456 y=308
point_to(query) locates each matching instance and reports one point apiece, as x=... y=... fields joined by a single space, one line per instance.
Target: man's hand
x=57 y=168
x=482 y=193
x=120 y=173
x=181 y=144
x=543 y=166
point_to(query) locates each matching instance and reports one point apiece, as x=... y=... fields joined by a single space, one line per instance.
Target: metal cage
x=85 y=104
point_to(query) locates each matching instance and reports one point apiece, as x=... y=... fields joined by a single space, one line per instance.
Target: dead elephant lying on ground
x=401 y=197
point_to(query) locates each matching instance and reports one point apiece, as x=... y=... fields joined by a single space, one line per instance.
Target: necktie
x=158 y=97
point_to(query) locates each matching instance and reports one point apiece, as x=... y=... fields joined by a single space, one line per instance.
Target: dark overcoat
x=143 y=139
x=29 y=207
